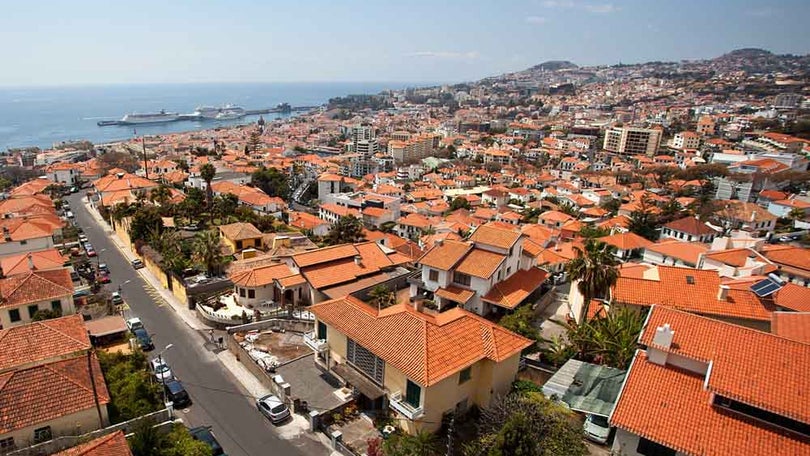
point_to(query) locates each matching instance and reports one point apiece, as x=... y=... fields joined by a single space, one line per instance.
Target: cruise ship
x=227 y=112
x=149 y=118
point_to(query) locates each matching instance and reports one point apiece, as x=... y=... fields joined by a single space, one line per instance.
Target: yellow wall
x=337 y=344
x=75 y=424
x=156 y=271
x=255 y=243
x=179 y=290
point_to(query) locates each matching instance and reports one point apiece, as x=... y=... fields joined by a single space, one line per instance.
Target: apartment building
x=632 y=140
x=414 y=148
x=686 y=140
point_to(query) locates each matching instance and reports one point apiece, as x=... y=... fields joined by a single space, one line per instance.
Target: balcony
x=398 y=403
x=318 y=345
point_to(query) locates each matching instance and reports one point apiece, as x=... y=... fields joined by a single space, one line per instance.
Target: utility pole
x=93 y=383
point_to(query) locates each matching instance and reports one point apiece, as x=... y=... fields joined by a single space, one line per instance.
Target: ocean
x=42 y=116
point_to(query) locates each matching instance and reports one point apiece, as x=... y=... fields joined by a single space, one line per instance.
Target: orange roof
x=114 y=444
x=240 y=231
x=324 y=255
x=42 y=260
x=335 y=265
x=480 y=263
x=690 y=225
x=512 y=291
x=35 y=286
x=732 y=257
x=796 y=257
x=792 y=325
x=127 y=181
x=793 y=297
x=688 y=252
x=445 y=255
x=626 y=241
x=497 y=237
x=673 y=289
x=456 y=294
x=261 y=276
x=427 y=349
x=674 y=407
x=42 y=340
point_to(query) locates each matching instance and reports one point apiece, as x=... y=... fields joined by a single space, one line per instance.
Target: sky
x=60 y=42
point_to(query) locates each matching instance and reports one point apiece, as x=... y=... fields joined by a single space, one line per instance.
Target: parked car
x=102 y=277
x=273 y=408
x=205 y=434
x=91 y=252
x=133 y=323
x=136 y=263
x=785 y=239
x=161 y=370
x=176 y=393
x=144 y=341
x=596 y=428
x=117 y=299
x=104 y=268
x=83 y=239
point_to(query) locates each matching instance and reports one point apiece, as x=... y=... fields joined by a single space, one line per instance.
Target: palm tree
x=796 y=214
x=594 y=269
x=382 y=296
x=207 y=172
x=207 y=251
x=160 y=195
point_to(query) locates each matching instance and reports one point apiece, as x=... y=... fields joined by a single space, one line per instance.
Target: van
x=69 y=214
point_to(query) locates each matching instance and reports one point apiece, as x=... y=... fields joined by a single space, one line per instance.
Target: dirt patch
x=286 y=346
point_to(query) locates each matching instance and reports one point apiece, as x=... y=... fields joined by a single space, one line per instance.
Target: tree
x=46 y=314
x=132 y=391
x=643 y=222
x=146 y=439
x=593 y=232
x=271 y=181
x=179 y=442
x=254 y=141
x=796 y=214
x=527 y=424
x=381 y=296
x=224 y=206
x=594 y=269
x=568 y=209
x=521 y=321
x=422 y=444
x=160 y=195
x=182 y=164
x=459 y=203
x=207 y=172
x=122 y=160
x=145 y=220
x=348 y=229
x=207 y=251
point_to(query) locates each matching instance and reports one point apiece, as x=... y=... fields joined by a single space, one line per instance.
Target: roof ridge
x=425 y=348
x=46 y=323
x=67 y=377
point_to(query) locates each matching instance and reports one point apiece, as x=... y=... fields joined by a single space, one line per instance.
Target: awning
x=512 y=291
x=455 y=294
x=358 y=380
x=106 y=326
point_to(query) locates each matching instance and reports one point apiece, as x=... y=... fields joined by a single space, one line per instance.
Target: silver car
x=162 y=371
x=272 y=407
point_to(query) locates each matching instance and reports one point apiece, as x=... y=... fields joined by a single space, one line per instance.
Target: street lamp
x=163 y=377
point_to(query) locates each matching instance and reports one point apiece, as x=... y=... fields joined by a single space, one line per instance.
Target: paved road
x=218 y=399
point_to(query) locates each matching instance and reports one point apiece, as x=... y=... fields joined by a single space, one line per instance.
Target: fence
x=66 y=441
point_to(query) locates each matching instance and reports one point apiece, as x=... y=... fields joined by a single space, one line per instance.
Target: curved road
x=218 y=399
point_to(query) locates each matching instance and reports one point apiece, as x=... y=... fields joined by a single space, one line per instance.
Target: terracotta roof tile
x=626 y=241
x=42 y=340
x=793 y=297
x=480 y=263
x=792 y=325
x=445 y=255
x=494 y=236
x=512 y=291
x=114 y=444
x=43 y=260
x=425 y=348
x=240 y=231
x=690 y=225
x=35 y=286
x=456 y=294
x=265 y=275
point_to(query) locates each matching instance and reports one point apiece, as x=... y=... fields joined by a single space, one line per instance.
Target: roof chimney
x=722 y=293
x=663 y=336
x=753 y=215
x=438 y=242
x=358 y=260
x=30 y=262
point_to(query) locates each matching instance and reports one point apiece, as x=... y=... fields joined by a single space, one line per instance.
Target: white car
x=272 y=407
x=134 y=323
x=596 y=428
x=161 y=370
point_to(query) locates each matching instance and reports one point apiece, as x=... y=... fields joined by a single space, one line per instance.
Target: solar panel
x=766 y=287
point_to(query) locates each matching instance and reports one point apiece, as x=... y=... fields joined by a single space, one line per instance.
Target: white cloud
x=538 y=20
x=445 y=55
x=595 y=8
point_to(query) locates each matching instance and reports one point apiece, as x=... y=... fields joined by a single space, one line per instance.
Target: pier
x=280 y=109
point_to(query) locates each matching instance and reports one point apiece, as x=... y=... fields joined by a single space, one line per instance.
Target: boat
x=149 y=118
x=230 y=112
x=105 y=123
x=227 y=112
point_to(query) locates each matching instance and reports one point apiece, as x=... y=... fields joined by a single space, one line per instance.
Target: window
x=433 y=275
x=242 y=292
x=650 y=448
x=508 y=271
x=465 y=375
x=321 y=330
x=42 y=434
x=7 y=444
x=367 y=362
x=461 y=279
x=413 y=394
x=56 y=306
x=23 y=242
x=251 y=294
x=238 y=245
x=32 y=309
x=14 y=315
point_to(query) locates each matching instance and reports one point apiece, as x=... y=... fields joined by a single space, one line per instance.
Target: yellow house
x=240 y=236
x=421 y=366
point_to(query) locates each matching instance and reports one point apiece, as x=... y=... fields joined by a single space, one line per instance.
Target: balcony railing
x=398 y=403
x=312 y=341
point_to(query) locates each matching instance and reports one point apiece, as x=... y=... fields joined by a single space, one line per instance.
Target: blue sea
x=43 y=116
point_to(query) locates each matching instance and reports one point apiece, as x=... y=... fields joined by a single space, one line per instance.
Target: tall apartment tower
x=632 y=140
x=364 y=139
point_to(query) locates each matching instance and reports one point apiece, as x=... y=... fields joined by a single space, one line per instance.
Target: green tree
x=521 y=321
x=207 y=252
x=381 y=296
x=422 y=444
x=160 y=195
x=145 y=220
x=207 y=173
x=348 y=229
x=182 y=165
x=225 y=206
x=643 y=222
x=593 y=232
x=796 y=214
x=46 y=314
x=179 y=442
x=132 y=391
x=527 y=424
x=594 y=269
x=459 y=203
x=146 y=439
x=254 y=141
x=271 y=181
x=569 y=209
